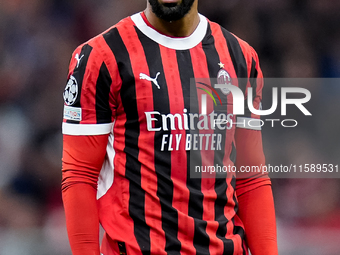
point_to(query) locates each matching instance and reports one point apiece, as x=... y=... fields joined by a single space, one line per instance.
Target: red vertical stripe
x=222 y=49
x=72 y=65
x=111 y=64
x=178 y=157
x=88 y=95
x=223 y=52
x=207 y=183
x=118 y=194
x=73 y=61
x=250 y=54
x=115 y=103
x=153 y=216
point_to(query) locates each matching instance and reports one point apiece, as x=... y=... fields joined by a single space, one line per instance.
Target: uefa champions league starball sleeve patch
x=71 y=91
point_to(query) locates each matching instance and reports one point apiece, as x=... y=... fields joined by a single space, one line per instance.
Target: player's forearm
x=256 y=210
x=82 y=219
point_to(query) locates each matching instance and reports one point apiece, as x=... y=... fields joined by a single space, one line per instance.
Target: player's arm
x=86 y=126
x=254 y=193
x=82 y=160
x=253 y=190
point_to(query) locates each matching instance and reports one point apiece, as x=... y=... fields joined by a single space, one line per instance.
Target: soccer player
x=134 y=132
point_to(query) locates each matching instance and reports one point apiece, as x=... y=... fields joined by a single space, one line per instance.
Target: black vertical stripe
x=195 y=206
x=103 y=110
x=122 y=248
x=241 y=70
x=132 y=130
x=78 y=74
x=239 y=63
x=233 y=153
x=211 y=54
x=253 y=83
x=162 y=158
x=253 y=70
x=221 y=185
x=237 y=229
x=213 y=59
x=237 y=58
x=253 y=77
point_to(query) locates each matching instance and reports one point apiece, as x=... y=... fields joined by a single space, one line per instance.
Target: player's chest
x=176 y=81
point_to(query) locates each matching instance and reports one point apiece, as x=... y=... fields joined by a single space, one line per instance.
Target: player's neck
x=179 y=28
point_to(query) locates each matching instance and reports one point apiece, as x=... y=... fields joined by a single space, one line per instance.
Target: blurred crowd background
x=294 y=38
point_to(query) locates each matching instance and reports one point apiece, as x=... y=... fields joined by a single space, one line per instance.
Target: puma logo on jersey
x=143 y=76
x=78 y=58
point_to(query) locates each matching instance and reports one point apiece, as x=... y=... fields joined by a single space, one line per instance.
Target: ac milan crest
x=223 y=77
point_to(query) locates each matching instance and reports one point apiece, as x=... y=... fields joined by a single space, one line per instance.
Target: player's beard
x=171 y=11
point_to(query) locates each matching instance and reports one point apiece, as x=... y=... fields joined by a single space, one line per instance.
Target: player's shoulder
x=96 y=50
x=234 y=41
x=100 y=40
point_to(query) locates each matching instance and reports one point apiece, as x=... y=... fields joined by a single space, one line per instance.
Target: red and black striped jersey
x=145 y=91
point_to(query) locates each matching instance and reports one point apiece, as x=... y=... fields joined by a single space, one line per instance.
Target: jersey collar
x=183 y=43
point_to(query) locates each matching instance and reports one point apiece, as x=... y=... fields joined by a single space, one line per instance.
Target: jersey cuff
x=86 y=129
x=249 y=123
